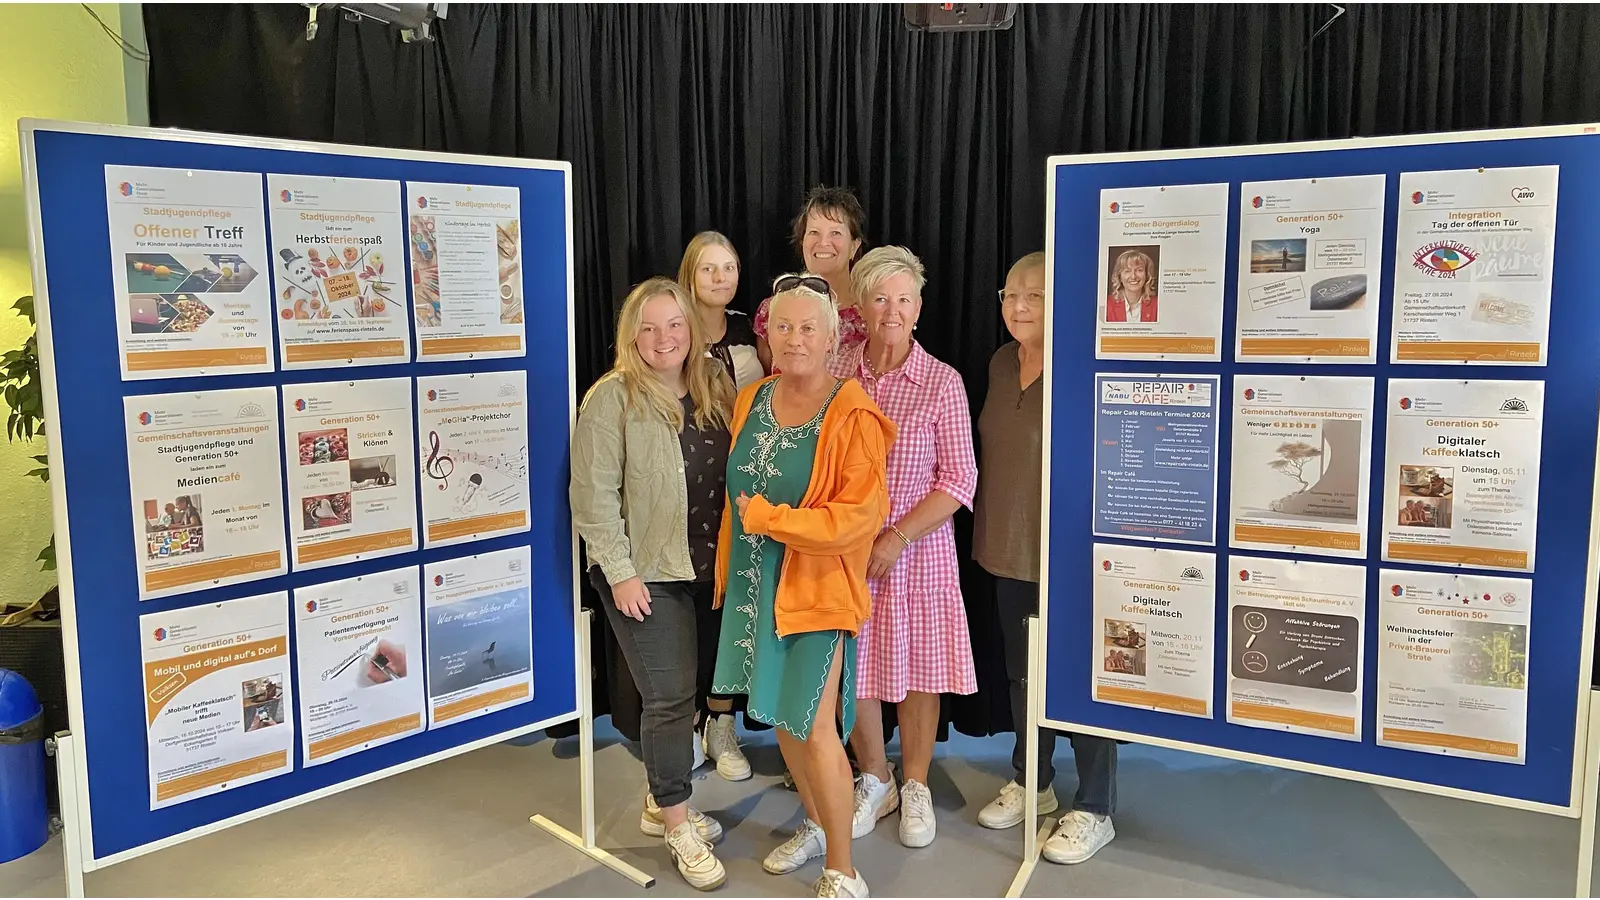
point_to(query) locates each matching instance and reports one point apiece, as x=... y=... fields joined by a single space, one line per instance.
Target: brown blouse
x=1005 y=533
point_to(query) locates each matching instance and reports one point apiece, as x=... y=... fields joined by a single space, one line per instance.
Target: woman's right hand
x=632 y=598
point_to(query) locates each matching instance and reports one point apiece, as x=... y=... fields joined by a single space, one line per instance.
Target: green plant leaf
x=47 y=556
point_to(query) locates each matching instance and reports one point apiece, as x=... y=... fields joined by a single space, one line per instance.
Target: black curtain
x=682 y=118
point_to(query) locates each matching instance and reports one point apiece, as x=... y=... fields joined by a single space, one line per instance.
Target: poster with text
x=1473 y=256
x=355 y=641
x=1294 y=645
x=1310 y=263
x=1302 y=461
x=1162 y=260
x=473 y=450
x=1453 y=664
x=219 y=706
x=207 y=489
x=352 y=470
x=188 y=258
x=1461 y=476
x=479 y=635
x=466 y=270
x=338 y=271
x=1154 y=628
x=1155 y=457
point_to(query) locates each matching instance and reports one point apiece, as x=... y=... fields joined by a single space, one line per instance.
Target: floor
x=1188 y=826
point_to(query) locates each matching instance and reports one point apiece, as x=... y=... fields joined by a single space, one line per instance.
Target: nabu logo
x=1514 y=404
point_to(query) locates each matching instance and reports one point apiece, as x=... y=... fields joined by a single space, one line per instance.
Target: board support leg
x=1032 y=832
x=1591 y=794
x=66 y=752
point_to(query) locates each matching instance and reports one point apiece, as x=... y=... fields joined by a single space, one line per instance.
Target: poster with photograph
x=1461 y=476
x=1473 y=256
x=466 y=270
x=479 y=635
x=1154 y=628
x=473 y=453
x=338 y=271
x=1162 y=261
x=1453 y=664
x=1155 y=457
x=352 y=470
x=218 y=697
x=1310 y=264
x=1302 y=461
x=188 y=272
x=207 y=489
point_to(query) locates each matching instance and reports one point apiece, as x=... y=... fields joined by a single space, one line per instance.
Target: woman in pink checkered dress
x=915 y=646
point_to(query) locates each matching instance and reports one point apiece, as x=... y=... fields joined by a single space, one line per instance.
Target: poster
x=352 y=470
x=188 y=257
x=1155 y=457
x=1162 y=258
x=1294 y=645
x=1461 y=476
x=1155 y=628
x=1474 y=252
x=479 y=635
x=338 y=271
x=1302 y=460
x=1453 y=664
x=218 y=697
x=1310 y=269
x=466 y=270
x=358 y=648
x=207 y=489
x=473 y=451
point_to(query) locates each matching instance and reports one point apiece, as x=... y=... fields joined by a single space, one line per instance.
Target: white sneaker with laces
x=874 y=800
x=917 y=825
x=834 y=883
x=652 y=823
x=808 y=843
x=696 y=863
x=1078 y=836
x=1006 y=810
x=722 y=747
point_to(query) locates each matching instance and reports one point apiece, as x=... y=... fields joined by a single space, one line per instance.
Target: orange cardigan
x=822 y=584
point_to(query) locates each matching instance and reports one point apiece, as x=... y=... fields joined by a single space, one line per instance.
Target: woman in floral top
x=829 y=234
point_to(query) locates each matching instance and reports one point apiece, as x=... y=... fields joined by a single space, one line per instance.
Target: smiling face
x=1022 y=306
x=828 y=246
x=1134 y=276
x=892 y=308
x=663 y=339
x=799 y=332
x=716 y=277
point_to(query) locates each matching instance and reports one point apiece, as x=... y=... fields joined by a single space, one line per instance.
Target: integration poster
x=466 y=270
x=355 y=641
x=479 y=635
x=1474 y=252
x=1294 y=645
x=352 y=470
x=339 y=274
x=1453 y=664
x=218 y=697
x=1162 y=259
x=188 y=247
x=1155 y=457
x=1461 y=477
x=1155 y=627
x=1302 y=457
x=1310 y=263
x=207 y=489
x=474 y=455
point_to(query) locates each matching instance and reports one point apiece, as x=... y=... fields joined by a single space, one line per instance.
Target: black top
x=737 y=350
x=705 y=464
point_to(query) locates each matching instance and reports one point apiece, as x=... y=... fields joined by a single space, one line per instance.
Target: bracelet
x=900 y=534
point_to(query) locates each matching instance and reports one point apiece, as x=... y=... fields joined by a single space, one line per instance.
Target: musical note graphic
x=438 y=466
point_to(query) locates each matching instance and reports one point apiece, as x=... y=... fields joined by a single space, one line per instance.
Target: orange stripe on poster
x=457 y=708
x=1477 y=351
x=362 y=543
x=1296 y=537
x=1451 y=741
x=1171 y=702
x=1179 y=346
x=1467 y=556
x=358 y=736
x=443 y=346
x=1278 y=715
x=178 y=576
x=295 y=353
x=222 y=357
x=1338 y=348
x=164 y=677
x=199 y=781
x=444 y=531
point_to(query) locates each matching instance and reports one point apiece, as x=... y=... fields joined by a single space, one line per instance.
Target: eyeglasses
x=813 y=283
x=1034 y=298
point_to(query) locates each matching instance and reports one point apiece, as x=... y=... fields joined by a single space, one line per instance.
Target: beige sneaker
x=834 y=883
x=1006 y=810
x=696 y=863
x=722 y=747
x=651 y=822
x=808 y=843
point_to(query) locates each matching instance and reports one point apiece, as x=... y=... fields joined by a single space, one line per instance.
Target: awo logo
x=1523 y=194
x=1514 y=404
x=1405 y=402
x=1193 y=574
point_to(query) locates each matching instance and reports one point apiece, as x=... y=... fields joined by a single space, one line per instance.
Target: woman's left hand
x=885 y=553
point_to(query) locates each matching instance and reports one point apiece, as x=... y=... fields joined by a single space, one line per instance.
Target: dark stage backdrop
x=682 y=118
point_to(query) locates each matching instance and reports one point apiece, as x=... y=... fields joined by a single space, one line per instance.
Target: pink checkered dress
x=916 y=638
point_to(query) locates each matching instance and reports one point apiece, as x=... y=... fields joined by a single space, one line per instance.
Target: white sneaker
x=874 y=800
x=807 y=844
x=917 y=825
x=695 y=861
x=837 y=884
x=1078 y=836
x=699 y=752
x=651 y=822
x=1006 y=810
x=722 y=746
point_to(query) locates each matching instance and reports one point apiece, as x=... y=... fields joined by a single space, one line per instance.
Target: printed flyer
x=1302 y=461
x=474 y=455
x=1162 y=261
x=1294 y=645
x=480 y=635
x=188 y=251
x=1155 y=628
x=1310 y=265
x=1155 y=457
x=338 y=271
x=354 y=642
x=466 y=270
x=1474 y=252
x=1461 y=477
x=207 y=489
x=1453 y=664
x=352 y=470
x=218 y=698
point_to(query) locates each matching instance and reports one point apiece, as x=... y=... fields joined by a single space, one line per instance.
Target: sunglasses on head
x=814 y=283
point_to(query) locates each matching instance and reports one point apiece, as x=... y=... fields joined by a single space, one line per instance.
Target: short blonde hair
x=883 y=263
x=698 y=245
x=827 y=309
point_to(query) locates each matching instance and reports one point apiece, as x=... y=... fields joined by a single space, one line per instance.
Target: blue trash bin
x=24 y=817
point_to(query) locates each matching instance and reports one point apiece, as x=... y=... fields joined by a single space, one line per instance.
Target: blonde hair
x=827 y=308
x=1034 y=260
x=698 y=245
x=1129 y=257
x=709 y=388
x=883 y=263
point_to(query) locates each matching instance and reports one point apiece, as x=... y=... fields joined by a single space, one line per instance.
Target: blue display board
x=79 y=346
x=1562 y=618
